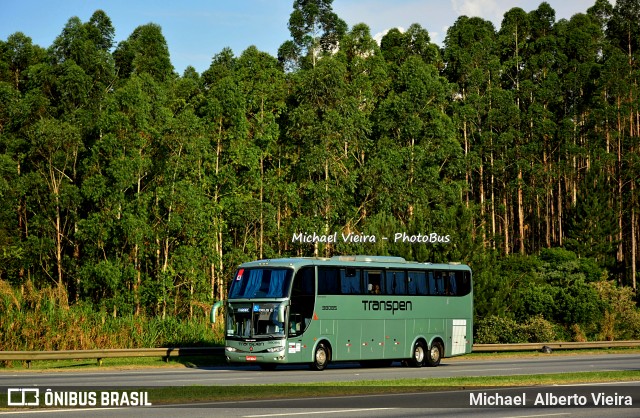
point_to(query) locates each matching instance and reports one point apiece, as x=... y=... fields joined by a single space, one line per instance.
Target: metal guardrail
x=166 y=353
x=492 y=348
x=99 y=355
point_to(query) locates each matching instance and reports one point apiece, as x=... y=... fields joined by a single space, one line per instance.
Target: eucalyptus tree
x=83 y=66
x=144 y=51
x=315 y=29
x=545 y=62
x=53 y=200
x=65 y=92
x=623 y=31
x=472 y=63
x=579 y=45
x=18 y=53
x=222 y=112
x=417 y=156
x=23 y=104
x=320 y=124
x=181 y=213
x=11 y=201
x=121 y=250
x=592 y=225
x=367 y=83
x=623 y=27
x=397 y=46
x=512 y=38
x=262 y=82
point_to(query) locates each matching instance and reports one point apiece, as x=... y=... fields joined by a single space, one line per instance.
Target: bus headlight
x=275 y=349
x=231 y=349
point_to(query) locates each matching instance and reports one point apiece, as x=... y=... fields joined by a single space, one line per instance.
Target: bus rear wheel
x=419 y=354
x=435 y=354
x=321 y=357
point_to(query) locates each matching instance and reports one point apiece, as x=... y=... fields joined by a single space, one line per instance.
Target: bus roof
x=353 y=261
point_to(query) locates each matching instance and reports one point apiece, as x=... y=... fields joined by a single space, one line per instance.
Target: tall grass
x=40 y=319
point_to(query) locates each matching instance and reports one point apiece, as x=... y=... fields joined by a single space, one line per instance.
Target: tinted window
x=395 y=283
x=259 y=282
x=304 y=283
x=328 y=281
x=417 y=283
x=373 y=282
x=350 y=281
x=436 y=283
x=463 y=283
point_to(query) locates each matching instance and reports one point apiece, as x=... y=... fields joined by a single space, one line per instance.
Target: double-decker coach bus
x=347 y=308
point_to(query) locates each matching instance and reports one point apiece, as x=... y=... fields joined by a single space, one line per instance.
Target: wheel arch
x=327 y=343
x=329 y=350
x=414 y=342
x=438 y=339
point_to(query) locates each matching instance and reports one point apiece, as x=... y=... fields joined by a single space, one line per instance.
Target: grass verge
x=371 y=387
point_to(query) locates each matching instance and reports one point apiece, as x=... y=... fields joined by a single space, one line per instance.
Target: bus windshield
x=250 y=320
x=253 y=283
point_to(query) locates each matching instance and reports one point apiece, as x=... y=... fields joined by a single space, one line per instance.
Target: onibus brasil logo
x=33 y=397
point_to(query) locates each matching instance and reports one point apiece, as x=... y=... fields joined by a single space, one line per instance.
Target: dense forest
x=130 y=192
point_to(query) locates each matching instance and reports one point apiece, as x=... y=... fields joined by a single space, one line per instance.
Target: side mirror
x=214 y=310
x=282 y=312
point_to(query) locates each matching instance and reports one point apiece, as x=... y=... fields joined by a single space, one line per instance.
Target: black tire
x=418 y=354
x=321 y=357
x=435 y=354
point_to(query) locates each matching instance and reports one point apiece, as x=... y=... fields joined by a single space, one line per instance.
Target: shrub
x=499 y=330
x=622 y=317
x=539 y=330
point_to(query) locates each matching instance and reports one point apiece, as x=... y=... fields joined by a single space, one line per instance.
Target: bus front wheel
x=419 y=354
x=435 y=354
x=321 y=357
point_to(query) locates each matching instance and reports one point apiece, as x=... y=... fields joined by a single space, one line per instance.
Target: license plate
x=251 y=358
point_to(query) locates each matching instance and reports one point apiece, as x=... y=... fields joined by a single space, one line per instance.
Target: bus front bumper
x=272 y=355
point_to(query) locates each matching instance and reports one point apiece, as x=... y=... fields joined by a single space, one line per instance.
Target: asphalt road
x=340 y=372
x=458 y=403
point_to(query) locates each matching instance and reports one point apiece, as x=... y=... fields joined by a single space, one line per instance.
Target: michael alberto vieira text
x=550 y=399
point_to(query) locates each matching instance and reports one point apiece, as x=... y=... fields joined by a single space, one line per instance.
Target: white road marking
x=337 y=411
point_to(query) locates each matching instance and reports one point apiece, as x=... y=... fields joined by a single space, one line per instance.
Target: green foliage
x=33 y=320
x=622 y=318
x=128 y=193
x=315 y=30
x=500 y=330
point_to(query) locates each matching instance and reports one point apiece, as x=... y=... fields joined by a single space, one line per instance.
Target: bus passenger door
x=301 y=310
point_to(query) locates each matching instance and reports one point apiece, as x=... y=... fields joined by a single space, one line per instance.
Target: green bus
x=370 y=309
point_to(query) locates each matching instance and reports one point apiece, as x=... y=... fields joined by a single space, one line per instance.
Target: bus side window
x=453 y=285
x=432 y=284
x=373 y=282
x=417 y=283
x=439 y=285
x=463 y=280
x=328 y=281
x=350 y=281
x=395 y=283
